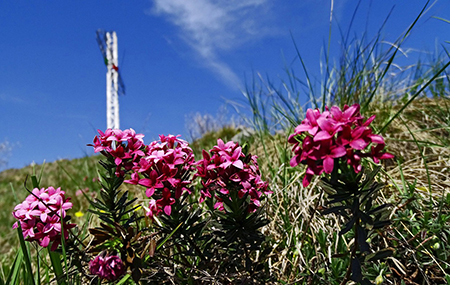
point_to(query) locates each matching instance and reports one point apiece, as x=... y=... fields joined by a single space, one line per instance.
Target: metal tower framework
x=112 y=82
x=107 y=42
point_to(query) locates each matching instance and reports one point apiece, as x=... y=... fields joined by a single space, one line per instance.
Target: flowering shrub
x=109 y=267
x=165 y=171
x=335 y=142
x=41 y=216
x=205 y=241
x=323 y=137
x=163 y=166
x=226 y=168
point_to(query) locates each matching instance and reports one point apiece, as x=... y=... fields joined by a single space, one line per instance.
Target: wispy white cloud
x=213 y=26
x=11 y=99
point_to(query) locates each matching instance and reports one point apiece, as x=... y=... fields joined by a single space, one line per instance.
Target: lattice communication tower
x=107 y=41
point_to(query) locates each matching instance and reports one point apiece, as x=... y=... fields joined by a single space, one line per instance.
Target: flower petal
x=328 y=164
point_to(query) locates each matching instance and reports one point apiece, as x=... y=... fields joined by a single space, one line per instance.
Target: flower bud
x=436 y=246
x=379 y=280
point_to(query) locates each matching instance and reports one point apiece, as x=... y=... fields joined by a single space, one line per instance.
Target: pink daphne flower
x=125 y=147
x=322 y=139
x=163 y=167
x=41 y=216
x=165 y=170
x=109 y=267
x=226 y=168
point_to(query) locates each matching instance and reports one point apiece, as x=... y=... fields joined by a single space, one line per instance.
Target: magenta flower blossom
x=165 y=171
x=41 y=216
x=322 y=139
x=163 y=167
x=125 y=147
x=310 y=123
x=225 y=168
x=109 y=267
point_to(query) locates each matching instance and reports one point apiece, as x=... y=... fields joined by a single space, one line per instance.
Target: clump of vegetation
x=350 y=187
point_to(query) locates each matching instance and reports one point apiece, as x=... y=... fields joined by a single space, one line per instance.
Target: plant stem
x=353 y=253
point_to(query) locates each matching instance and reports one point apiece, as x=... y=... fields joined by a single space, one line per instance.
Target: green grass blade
x=442 y=19
x=41 y=172
x=57 y=266
x=124 y=279
x=34 y=181
x=14 y=273
x=63 y=247
x=74 y=181
x=26 y=253
x=38 y=269
x=167 y=237
x=312 y=96
x=23 y=245
x=414 y=97
x=402 y=177
x=423 y=158
x=396 y=45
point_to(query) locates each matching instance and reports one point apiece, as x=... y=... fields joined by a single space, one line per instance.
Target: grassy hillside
x=303 y=244
x=417 y=184
x=70 y=175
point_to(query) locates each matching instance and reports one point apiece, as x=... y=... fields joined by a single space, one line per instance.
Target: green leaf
x=356 y=270
x=339 y=198
x=334 y=210
x=370 y=177
x=379 y=209
x=348 y=226
x=382 y=254
x=381 y=224
x=362 y=237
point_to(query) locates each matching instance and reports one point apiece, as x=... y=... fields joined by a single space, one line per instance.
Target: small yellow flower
x=79 y=214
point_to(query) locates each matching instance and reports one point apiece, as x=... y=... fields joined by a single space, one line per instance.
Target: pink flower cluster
x=109 y=267
x=226 y=168
x=335 y=134
x=125 y=147
x=165 y=171
x=40 y=216
x=163 y=167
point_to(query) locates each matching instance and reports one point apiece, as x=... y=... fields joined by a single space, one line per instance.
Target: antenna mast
x=107 y=42
x=112 y=78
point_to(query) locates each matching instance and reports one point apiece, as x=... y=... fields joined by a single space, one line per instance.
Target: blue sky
x=177 y=57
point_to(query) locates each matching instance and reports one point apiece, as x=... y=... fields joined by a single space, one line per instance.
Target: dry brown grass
x=295 y=211
x=419 y=139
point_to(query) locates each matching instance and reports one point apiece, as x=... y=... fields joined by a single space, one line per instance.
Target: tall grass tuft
x=412 y=108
